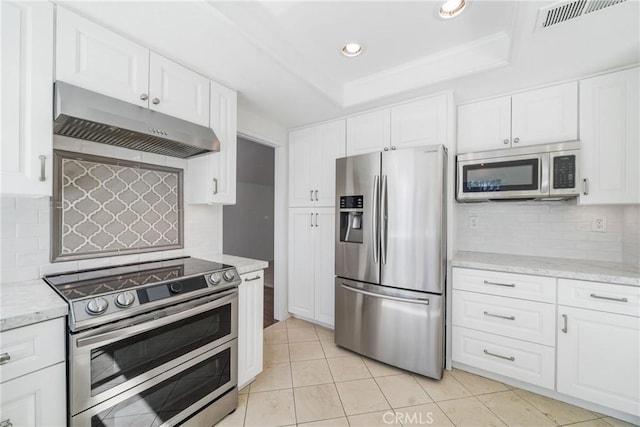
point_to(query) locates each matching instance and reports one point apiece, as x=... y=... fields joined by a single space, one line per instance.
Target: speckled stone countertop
x=595 y=271
x=24 y=303
x=243 y=265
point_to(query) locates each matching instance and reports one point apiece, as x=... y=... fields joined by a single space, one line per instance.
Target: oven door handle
x=156 y=320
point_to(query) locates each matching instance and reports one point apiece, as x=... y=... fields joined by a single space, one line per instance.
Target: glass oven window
x=115 y=363
x=165 y=400
x=514 y=175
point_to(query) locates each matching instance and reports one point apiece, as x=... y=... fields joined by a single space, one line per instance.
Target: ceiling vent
x=567 y=10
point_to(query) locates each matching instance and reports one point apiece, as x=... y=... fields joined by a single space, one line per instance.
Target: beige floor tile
x=348 y=368
x=616 y=422
x=374 y=419
x=305 y=351
x=558 y=412
x=514 y=410
x=335 y=422
x=402 y=390
x=237 y=417
x=310 y=372
x=275 y=336
x=445 y=389
x=293 y=323
x=470 y=412
x=245 y=389
x=302 y=334
x=331 y=350
x=273 y=377
x=592 y=423
x=324 y=333
x=477 y=384
x=421 y=415
x=317 y=402
x=361 y=396
x=275 y=353
x=379 y=369
x=272 y=408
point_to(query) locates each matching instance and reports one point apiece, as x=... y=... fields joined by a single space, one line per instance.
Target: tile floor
x=308 y=381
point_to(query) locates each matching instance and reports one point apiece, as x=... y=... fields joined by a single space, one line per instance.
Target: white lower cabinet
x=599 y=351
x=250 y=321
x=311 y=257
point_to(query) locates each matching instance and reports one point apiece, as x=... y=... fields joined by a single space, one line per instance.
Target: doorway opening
x=248 y=226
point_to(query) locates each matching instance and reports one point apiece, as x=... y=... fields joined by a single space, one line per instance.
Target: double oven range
x=151 y=344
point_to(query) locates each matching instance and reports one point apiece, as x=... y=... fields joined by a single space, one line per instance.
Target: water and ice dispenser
x=351 y=219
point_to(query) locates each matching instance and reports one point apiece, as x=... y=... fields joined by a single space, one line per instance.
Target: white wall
x=550 y=229
x=25 y=225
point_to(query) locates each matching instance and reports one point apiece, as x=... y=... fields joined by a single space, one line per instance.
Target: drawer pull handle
x=252 y=279
x=565 y=321
x=488 y=353
x=509 y=285
x=609 y=298
x=501 y=316
x=6 y=423
x=4 y=358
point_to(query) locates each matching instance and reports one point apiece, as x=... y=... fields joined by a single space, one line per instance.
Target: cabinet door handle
x=516 y=140
x=144 y=97
x=386 y=148
x=565 y=323
x=509 y=285
x=311 y=224
x=252 y=279
x=43 y=164
x=311 y=195
x=609 y=298
x=488 y=353
x=6 y=423
x=4 y=358
x=316 y=219
x=506 y=141
x=155 y=101
x=501 y=316
x=316 y=195
x=585 y=186
x=393 y=147
x=215 y=186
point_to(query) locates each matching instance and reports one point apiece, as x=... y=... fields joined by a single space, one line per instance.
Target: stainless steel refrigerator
x=391 y=257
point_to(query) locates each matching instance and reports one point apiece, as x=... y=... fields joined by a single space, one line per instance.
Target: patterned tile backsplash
x=105 y=206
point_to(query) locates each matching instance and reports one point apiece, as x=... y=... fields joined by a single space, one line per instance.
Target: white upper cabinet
x=422 y=122
x=368 y=133
x=312 y=163
x=609 y=138
x=178 y=91
x=211 y=179
x=27 y=98
x=92 y=57
x=539 y=116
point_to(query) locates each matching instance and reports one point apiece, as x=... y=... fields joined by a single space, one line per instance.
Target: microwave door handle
x=544 y=173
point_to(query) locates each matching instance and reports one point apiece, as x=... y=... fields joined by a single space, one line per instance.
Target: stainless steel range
x=154 y=342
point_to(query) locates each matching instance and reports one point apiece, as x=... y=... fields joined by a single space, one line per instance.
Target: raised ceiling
x=284 y=57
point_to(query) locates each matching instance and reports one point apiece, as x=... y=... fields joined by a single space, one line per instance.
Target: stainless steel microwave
x=534 y=172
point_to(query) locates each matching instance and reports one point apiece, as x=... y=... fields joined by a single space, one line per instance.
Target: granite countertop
x=24 y=303
x=243 y=265
x=596 y=271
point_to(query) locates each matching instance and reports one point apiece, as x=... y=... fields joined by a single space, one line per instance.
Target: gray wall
x=248 y=225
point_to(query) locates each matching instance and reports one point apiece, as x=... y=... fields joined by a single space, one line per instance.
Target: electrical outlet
x=474 y=221
x=599 y=224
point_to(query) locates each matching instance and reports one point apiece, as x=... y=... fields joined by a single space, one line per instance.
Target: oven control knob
x=215 y=278
x=97 y=306
x=176 y=288
x=229 y=275
x=125 y=299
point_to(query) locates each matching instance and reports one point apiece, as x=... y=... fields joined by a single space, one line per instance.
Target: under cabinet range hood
x=83 y=114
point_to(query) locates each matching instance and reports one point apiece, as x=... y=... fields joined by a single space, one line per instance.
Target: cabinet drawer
x=31 y=348
x=525 y=320
x=618 y=299
x=521 y=360
x=536 y=288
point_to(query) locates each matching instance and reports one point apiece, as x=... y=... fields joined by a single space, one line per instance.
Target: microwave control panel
x=564 y=172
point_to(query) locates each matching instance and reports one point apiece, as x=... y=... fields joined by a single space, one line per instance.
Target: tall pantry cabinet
x=312 y=155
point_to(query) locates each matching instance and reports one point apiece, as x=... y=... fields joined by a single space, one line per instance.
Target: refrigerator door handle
x=383 y=218
x=375 y=224
x=371 y=294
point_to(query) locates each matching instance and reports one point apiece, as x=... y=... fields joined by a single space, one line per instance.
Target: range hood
x=83 y=114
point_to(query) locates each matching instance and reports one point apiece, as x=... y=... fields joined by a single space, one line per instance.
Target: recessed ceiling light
x=452 y=8
x=351 y=49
